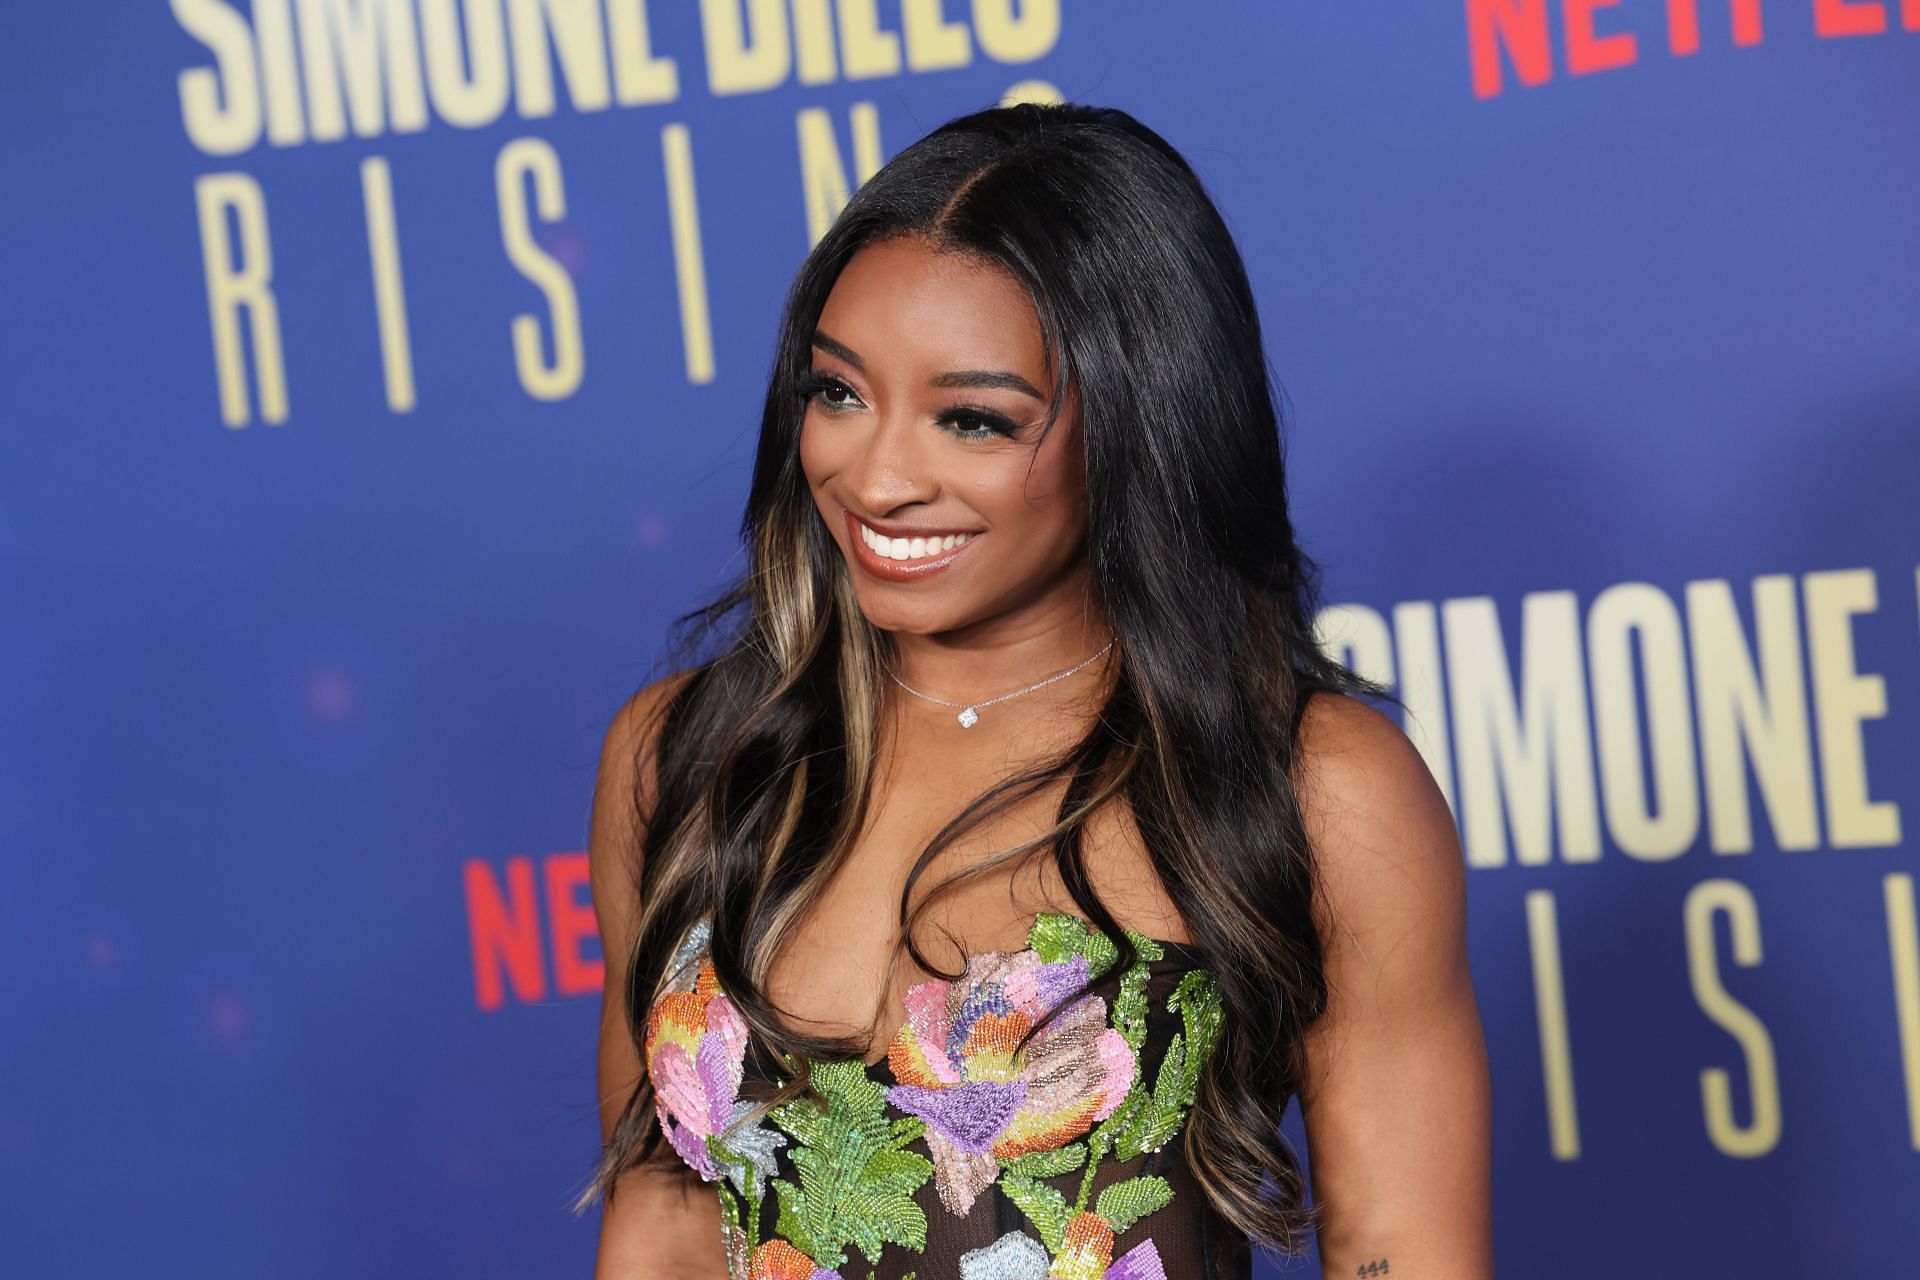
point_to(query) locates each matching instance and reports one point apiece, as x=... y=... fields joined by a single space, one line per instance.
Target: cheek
x=809 y=463
x=1046 y=505
x=817 y=455
x=1054 y=493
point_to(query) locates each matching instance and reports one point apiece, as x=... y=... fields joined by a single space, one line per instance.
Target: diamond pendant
x=967 y=718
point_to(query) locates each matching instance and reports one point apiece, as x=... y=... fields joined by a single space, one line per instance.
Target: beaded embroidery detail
x=986 y=1112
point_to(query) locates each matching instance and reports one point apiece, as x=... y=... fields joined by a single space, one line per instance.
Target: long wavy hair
x=766 y=751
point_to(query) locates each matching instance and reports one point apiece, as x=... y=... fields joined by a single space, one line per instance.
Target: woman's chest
x=843 y=966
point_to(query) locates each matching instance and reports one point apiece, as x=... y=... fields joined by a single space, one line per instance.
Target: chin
x=915 y=622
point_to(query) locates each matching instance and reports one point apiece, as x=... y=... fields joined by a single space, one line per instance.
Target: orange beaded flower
x=778 y=1260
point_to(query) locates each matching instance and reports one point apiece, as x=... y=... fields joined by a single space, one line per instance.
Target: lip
x=895 y=570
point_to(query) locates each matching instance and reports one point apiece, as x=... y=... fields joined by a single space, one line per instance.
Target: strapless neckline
x=972 y=1147
x=1191 y=954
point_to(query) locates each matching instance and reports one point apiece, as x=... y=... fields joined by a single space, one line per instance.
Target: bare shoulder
x=1397 y=1098
x=632 y=739
x=636 y=725
x=626 y=785
x=1384 y=840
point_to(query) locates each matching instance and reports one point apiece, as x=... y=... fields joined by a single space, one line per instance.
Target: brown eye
x=975 y=424
x=825 y=388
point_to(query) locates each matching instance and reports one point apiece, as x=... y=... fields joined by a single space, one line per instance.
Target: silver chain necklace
x=970 y=711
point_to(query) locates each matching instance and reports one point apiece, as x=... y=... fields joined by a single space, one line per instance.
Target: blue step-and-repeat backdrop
x=381 y=377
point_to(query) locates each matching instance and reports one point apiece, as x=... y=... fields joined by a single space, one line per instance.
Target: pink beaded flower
x=958 y=1069
x=696 y=1047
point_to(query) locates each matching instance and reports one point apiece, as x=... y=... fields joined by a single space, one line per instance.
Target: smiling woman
x=895 y=433
x=1028 y=997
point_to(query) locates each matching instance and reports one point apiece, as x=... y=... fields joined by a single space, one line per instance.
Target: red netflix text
x=532 y=929
x=1515 y=32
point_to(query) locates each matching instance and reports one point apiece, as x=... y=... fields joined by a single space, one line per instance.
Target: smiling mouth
x=903 y=559
x=907 y=550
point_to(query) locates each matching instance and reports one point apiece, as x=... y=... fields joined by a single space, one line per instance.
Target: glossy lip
x=895 y=570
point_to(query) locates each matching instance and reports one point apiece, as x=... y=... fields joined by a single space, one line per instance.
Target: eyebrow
x=1000 y=379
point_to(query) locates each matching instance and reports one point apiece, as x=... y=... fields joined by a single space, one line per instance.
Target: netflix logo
x=1590 y=35
x=530 y=922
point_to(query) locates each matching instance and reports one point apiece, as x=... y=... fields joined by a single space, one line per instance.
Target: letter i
x=1550 y=1006
x=389 y=292
x=689 y=261
x=1903 y=945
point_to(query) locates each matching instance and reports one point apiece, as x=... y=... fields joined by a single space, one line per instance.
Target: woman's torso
x=947 y=1153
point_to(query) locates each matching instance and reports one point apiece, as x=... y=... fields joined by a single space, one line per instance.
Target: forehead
x=904 y=304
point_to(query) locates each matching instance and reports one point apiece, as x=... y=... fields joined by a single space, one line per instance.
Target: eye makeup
x=961 y=421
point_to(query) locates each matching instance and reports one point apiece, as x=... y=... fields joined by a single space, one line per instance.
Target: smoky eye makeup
x=961 y=421
x=976 y=422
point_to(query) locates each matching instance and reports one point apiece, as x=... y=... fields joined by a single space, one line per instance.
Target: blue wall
x=1602 y=366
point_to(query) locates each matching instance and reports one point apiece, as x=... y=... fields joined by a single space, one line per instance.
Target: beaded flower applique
x=986 y=1113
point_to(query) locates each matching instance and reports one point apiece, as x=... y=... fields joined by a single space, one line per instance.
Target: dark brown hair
x=766 y=751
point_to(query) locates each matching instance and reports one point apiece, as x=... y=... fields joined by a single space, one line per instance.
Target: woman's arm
x=662 y=1220
x=1398 y=1102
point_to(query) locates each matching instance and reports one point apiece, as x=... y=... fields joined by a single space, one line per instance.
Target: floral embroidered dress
x=955 y=1156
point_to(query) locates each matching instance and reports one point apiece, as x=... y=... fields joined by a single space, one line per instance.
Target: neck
x=982 y=662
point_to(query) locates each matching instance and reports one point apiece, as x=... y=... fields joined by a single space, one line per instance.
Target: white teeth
x=910 y=548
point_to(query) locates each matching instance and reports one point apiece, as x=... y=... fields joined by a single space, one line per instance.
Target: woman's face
x=929 y=393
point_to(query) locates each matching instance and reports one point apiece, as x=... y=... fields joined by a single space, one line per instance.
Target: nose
x=893 y=467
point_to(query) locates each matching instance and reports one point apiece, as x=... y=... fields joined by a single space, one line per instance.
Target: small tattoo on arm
x=1378 y=1267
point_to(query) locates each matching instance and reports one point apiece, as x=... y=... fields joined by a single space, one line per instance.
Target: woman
x=978 y=903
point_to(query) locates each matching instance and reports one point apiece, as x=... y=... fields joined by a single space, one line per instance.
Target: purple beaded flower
x=960 y=1068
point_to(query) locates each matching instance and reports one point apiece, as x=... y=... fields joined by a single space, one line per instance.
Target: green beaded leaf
x=1152 y=1124
x=1125 y=1203
x=729 y=1204
x=1130 y=1006
x=845 y=1086
x=1056 y=937
x=803 y=1120
x=891 y=1163
x=856 y=1182
x=1197 y=1001
x=887 y=1220
x=1048 y=1164
x=1045 y=1205
x=1110 y=1133
x=792 y=1225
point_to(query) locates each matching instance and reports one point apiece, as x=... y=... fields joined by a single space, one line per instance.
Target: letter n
x=1518 y=25
x=505 y=931
x=823 y=175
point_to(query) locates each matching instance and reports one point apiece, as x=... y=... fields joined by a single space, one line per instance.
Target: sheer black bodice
x=956 y=1155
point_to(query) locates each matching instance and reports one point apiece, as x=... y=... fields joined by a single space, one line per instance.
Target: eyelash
x=995 y=424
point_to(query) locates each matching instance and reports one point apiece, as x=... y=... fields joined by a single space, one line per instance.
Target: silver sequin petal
x=681 y=965
x=757 y=1145
x=1014 y=1256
